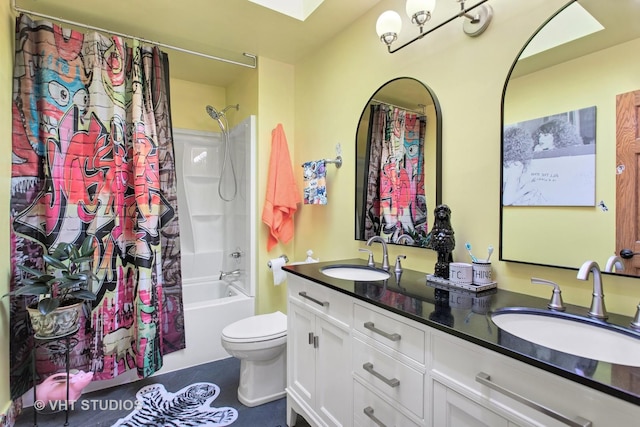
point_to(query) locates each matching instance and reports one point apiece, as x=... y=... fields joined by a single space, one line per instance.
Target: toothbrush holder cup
x=482 y=274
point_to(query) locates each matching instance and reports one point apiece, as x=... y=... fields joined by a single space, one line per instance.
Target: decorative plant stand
x=63 y=345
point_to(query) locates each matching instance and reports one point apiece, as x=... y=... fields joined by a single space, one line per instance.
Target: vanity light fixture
x=389 y=24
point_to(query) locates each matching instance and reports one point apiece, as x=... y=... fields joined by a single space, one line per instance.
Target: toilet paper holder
x=286 y=259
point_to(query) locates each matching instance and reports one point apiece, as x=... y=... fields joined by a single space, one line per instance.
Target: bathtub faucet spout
x=233 y=273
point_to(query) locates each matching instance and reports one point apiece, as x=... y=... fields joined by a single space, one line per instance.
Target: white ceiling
x=223 y=28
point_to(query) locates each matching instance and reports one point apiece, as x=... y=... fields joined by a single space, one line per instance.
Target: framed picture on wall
x=551 y=160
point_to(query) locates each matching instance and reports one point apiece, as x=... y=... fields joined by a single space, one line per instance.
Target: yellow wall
x=188 y=103
x=245 y=93
x=6 y=73
x=467 y=75
x=189 y=100
x=275 y=105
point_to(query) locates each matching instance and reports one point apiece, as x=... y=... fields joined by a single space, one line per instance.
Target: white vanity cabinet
x=355 y=363
x=474 y=386
x=388 y=362
x=318 y=351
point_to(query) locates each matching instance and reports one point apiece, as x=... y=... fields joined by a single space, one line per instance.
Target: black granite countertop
x=467 y=315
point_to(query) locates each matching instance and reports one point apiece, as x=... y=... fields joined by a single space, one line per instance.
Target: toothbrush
x=490 y=250
x=468 y=246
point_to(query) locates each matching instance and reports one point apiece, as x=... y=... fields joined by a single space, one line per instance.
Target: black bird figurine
x=441 y=239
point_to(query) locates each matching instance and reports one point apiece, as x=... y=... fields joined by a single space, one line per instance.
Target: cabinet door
x=333 y=374
x=451 y=409
x=301 y=355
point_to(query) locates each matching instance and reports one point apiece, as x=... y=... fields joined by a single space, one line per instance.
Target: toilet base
x=262 y=381
x=260 y=401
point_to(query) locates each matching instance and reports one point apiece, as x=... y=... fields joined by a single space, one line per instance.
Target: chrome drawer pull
x=392 y=337
x=368 y=411
x=485 y=379
x=393 y=382
x=303 y=294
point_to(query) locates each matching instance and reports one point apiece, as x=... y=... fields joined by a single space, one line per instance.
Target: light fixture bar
x=463 y=13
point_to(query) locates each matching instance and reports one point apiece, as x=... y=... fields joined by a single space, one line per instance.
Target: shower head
x=215 y=114
x=219 y=115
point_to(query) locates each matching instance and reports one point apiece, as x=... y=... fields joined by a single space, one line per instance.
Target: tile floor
x=224 y=373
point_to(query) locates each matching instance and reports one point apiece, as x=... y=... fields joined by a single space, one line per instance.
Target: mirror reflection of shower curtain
x=92 y=155
x=395 y=202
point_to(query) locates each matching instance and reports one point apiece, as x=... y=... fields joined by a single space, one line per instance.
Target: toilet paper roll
x=279 y=275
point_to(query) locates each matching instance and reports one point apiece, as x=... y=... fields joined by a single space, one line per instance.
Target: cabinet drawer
x=320 y=299
x=391 y=377
x=400 y=336
x=456 y=364
x=368 y=406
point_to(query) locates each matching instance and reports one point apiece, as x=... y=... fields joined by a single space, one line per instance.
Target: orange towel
x=282 y=192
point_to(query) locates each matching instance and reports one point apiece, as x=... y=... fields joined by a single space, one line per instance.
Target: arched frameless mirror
x=568 y=114
x=398 y=169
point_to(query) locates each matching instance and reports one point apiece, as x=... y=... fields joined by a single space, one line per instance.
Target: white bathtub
x=209 y=306
x=215 y=292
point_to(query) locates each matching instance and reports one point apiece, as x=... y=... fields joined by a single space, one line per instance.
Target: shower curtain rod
x=179 y=49
x=423 y=112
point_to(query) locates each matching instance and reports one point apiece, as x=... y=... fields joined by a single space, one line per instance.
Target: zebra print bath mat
x=188 y=407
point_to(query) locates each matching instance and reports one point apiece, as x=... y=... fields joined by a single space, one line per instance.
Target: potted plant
x=62 y=286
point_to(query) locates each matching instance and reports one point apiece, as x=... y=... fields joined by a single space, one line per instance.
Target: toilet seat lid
x=262 y=327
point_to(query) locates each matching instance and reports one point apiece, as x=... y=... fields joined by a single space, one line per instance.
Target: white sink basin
x=580 y=336
x=359 y=273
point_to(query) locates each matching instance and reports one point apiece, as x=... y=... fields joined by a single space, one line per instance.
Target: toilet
x=260 y=342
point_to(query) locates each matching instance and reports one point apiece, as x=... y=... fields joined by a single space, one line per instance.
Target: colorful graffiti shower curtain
x=395 y=201
x=92 y=154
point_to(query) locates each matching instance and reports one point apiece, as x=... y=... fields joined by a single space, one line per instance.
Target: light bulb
x=388 y=26
x=420 y=10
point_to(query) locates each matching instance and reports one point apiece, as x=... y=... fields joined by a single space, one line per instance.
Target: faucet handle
x=370 y=261
x=556 y=303
x=398 y=268
x=635 y=324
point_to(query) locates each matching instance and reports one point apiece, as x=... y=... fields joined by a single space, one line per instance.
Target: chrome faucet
x=597 y=310
x=406 y=238
x=224 y=274
x=614 y=263
x=385 y=254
